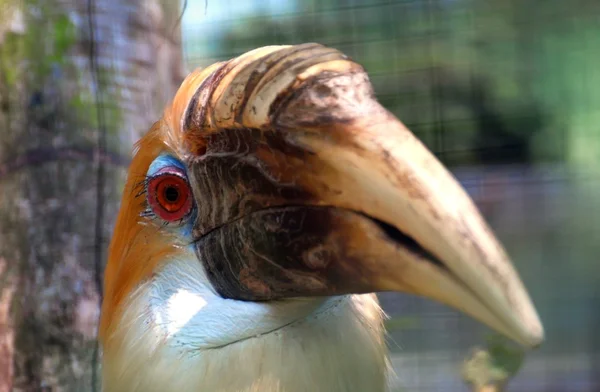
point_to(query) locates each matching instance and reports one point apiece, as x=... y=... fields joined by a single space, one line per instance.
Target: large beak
x=436 y=243
x=335 y=196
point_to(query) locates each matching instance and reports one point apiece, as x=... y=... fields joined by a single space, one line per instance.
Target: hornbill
x=261 y=215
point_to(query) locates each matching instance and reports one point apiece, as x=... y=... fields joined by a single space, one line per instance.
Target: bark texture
x=52 y=107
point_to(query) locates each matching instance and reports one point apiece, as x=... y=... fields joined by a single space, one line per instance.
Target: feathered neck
x=338 y=348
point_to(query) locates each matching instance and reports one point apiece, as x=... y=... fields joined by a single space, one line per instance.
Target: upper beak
x=370 y=208
x=440 y=246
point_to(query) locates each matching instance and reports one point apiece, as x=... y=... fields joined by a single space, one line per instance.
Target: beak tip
x=537 y=337
x=534 y=341
x=533 y=335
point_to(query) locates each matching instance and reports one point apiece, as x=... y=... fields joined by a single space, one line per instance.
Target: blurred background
x=504 y=92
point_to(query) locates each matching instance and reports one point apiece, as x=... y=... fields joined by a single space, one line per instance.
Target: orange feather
x=137 y=246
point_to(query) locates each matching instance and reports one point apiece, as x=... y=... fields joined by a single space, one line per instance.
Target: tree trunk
x=56 y=102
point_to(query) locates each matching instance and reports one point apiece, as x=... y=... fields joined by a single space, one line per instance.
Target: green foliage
x=505 y=357
x=10 y=49
x=494 y=366
x=45 y=44
x=37 y=73
x=64 y=37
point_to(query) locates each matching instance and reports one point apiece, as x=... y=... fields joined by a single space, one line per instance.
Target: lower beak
x=383 y=215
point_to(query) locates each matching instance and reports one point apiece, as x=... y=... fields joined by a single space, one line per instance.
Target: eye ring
x=169 y=194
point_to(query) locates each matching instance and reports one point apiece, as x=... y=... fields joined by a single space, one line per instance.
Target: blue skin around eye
x=163 y=161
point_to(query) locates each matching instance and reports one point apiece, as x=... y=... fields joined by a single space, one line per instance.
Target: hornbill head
x=276 y=180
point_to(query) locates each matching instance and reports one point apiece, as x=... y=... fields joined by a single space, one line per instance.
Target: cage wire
x=502 y=92
x=100 y=178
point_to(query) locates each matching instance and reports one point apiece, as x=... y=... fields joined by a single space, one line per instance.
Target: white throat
x=178 y=335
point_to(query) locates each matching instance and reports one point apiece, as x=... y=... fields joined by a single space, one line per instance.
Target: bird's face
x=274 y=182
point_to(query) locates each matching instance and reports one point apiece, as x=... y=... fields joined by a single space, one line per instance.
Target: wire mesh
x=502 y=92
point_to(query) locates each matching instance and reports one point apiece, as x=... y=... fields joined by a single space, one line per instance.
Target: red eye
x=169 y=194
